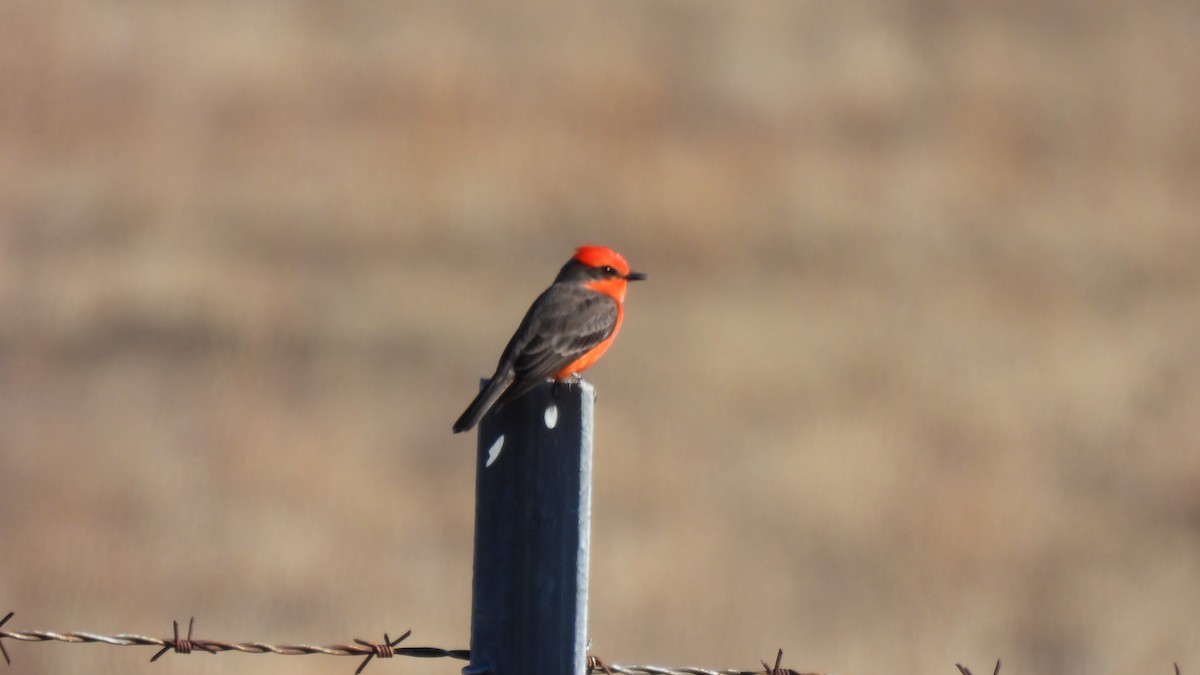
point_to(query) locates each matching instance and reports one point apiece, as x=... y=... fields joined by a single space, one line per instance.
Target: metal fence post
x=533 y=493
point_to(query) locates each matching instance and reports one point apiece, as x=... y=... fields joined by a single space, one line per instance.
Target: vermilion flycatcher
x=567 y=329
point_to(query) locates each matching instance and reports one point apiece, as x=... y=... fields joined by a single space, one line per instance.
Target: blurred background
x=914 y=380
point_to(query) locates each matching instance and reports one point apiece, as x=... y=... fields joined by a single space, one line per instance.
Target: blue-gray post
x=533 y=502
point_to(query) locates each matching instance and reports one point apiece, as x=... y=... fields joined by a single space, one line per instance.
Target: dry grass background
x=915 y=379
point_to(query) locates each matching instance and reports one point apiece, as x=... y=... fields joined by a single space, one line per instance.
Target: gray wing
x=564 y=327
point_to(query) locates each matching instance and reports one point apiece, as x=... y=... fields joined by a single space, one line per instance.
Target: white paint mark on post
x=494 y=451
x=551 y=416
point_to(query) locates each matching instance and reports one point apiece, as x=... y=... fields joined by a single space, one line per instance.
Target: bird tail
x=484 y=401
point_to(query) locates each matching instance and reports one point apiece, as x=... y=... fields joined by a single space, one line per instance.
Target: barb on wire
x=967 y=671
x=594 y=664
x=186 y=645
x=768 y=670
x=182 y=646
x=386 y=650
x=5 y=651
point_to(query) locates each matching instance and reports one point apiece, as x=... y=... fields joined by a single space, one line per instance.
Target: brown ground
x=915 y=379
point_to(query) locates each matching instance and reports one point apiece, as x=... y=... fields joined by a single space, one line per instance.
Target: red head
x=599 y=256
x=600 y=269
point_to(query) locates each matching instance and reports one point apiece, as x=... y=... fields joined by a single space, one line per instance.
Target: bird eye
x=608 y=270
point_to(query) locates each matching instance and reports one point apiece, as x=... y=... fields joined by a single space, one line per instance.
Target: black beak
x=635 y=276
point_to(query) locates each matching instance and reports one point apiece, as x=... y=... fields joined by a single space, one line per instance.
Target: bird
x=566 y=330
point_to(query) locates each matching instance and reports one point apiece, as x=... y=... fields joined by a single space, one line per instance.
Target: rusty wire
x=186 y=645
x=369 y=650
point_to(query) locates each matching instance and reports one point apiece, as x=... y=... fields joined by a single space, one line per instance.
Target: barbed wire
x=369 y=650
x=186 y=645
x=384 y=650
